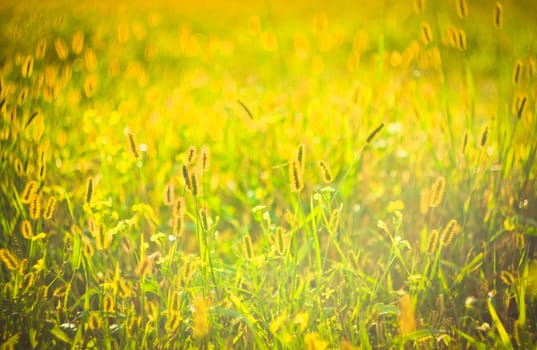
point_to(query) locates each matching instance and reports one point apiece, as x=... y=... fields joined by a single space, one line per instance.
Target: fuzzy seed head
x=186 y=177
x=498 y=16
x=437 y=192
x=426 y=34
x=41 y=49
x=462 y=9
x=132 y=145
x=178 y=223
x=29 y=191
x=507 y=278
x=26 y=229
x=194 y=183
x=376 y=131
x=89 y=191
x=449 y=232
x=432 y=242
x=78 y=42
x=425 y=200
x=247 y=247
x=90 y=85
x=326 y=174
x=461 y=40
x=204 y=155
x=484 y=136
x=169 y=194
x=179 y=207
x=204 y=220
x=49 y=208
x=517 y=72
x=10 y=260
x=419 y=6
x=300 y=156
x=144 y=266
x=296 y=176
x=28 y=66
x=191 y=155
x=61 y=49
x=35 y=207
x=521 y=106
x=282 y=241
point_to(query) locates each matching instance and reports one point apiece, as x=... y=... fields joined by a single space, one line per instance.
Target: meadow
x=268 y=175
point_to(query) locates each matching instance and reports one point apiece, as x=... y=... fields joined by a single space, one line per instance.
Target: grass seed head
x=90 y=85
x=517 y=72
x=35 y=206
x=41 y=49
x=144 y=266
x=247 y=248
x=89 y=191
x=28 y=66
x=432 y=242
x=296 y=176
x=169 y=194
x=108 y=303
x=449 y=232
x=26 y=229
x=179 y=207
x=461 y=40
x=300 y=156
x=204 y=220
x=90 y=60
x=484 y=136
x=61 y=49
x=374 y=133
x=521 y=105
x=42 y=171
x=326 y=174
x=49 y=208
x=10 y=260
x=195 y=184
x=77 y=43
x=419 y=6
x=186 y=177
x=425 y=200
x=462 y=9
x=281 y=241
x=426 y=34
x=437 y=192
x=205 y=157
x=178 y=223
x=132 y=145
x=30 y=190
x=191 y=155
x=507 y=278
x=498 y=15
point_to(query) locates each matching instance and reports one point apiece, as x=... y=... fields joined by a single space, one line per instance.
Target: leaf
x=499 y=325
x=58 y=333
x=383 y=309
x=10 y=342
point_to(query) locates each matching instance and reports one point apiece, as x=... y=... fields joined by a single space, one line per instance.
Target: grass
x=268 y=175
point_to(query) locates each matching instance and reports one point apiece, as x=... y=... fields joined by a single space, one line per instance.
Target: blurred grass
x=366 y=260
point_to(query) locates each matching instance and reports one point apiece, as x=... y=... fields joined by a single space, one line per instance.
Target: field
x=268 y=175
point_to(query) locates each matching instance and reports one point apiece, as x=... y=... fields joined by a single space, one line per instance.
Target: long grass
x=268 y=175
